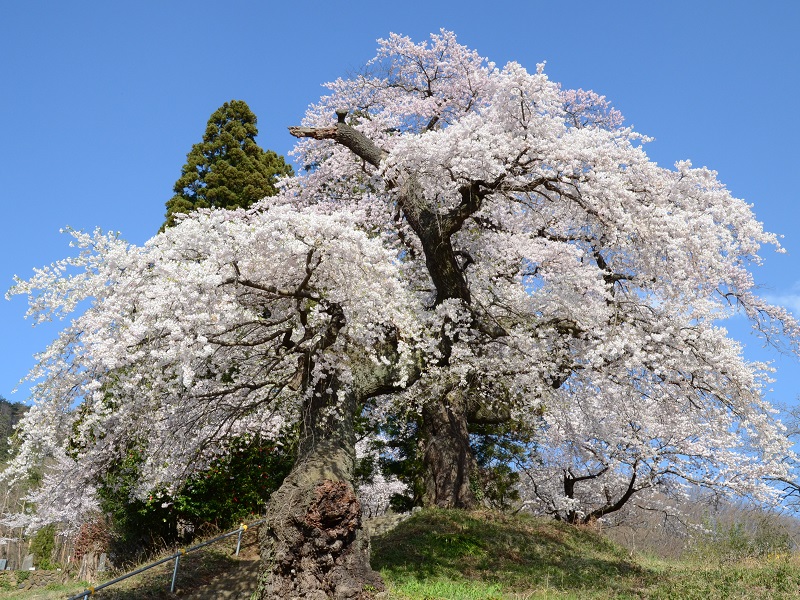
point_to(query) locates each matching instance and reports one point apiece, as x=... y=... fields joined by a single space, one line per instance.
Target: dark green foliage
x=136 y=526
x=228 y=169
x=234 y=487
x=10 y=414
x=499 y=451
x=42 y=546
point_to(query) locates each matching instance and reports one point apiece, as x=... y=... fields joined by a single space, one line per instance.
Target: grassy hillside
x=453 y=555
x=10 y=414
x=456 y=555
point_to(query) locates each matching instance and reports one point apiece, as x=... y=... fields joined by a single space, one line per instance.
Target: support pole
x=175 y=572
x=242 y=529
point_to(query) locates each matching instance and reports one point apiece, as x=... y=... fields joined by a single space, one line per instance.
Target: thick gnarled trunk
x=312 y=545
x=447 y=456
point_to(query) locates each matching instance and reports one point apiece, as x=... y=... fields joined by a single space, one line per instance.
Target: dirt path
x=239 y=582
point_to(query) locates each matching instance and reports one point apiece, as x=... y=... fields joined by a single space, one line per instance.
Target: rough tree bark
x=447 y=455
x=312 y=544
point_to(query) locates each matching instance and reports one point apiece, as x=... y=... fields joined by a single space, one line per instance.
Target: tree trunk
x=312 y=545
x=447 y=456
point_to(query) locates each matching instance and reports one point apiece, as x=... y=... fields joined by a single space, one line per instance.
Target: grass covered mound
x=485 y=554
x=455 y=555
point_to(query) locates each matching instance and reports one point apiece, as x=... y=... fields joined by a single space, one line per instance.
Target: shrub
x=235 y=486
x=758 y=535
x=42 y=546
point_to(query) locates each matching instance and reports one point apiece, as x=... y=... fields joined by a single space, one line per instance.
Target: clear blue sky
x=101 y=101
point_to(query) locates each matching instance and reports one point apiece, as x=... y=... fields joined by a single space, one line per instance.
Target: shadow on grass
x=517 y=553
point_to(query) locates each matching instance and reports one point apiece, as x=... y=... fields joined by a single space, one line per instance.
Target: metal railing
x=176 y=557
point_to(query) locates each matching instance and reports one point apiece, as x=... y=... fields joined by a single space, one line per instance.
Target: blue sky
x=101 y=101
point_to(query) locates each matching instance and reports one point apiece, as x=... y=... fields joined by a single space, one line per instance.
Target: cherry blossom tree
x=375 y=489
x=468 y=244
x=232 y=322
x=654 y=447
x=573 y=265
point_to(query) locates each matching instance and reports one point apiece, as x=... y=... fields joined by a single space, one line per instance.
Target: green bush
x=42 y=546
x=758 y=536
x=235 y=486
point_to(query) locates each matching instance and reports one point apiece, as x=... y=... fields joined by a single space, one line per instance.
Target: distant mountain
x=10 y=414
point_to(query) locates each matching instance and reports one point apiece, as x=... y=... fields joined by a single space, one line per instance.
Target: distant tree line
x=10 y=414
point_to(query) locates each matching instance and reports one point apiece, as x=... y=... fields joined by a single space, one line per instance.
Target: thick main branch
x=434 y=229
x=347 y=136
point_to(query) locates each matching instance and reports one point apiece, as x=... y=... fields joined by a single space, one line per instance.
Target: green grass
x=51 y=592
x=455 y=555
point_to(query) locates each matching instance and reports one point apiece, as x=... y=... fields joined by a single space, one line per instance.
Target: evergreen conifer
x=228 y=169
